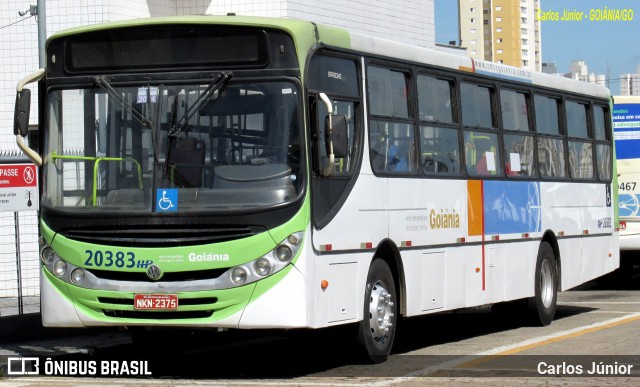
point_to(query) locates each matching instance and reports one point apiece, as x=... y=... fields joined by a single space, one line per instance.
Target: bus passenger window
x=514 y=108
x=577 y=120
x=603 y=155
x=439 y=150
x=603 y=147
x=482 y=154
x=518 y=152
x=581 y=159
x=434 y=100
x=600 y=126
x=387 y=92
x=547 y=117
x=477 y=105
x=392 y=147
x=551 y=157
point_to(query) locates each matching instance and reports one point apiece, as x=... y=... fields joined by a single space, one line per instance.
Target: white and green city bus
x=235 y=172
x=626 y=124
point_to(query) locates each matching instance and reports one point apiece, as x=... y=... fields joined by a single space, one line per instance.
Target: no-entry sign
x=18 y=187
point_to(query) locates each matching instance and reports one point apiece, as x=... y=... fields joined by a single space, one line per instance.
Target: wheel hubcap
x=546 y=284
x=381 y=315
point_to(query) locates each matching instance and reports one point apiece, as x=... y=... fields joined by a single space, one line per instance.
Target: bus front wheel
x=378 y=326
x=543 y=304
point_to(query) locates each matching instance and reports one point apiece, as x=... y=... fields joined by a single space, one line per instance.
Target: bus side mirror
x=21 y=114
x=337 y=136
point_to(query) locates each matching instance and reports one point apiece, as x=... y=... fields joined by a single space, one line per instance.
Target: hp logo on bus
x=154 y=273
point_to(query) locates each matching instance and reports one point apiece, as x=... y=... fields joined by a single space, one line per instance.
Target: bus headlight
x=262 y=267
x=284 y=253
x=294 y=239
x=47 y=255
x=77 y=276
x=60 y=268
x=238 y=275
x=270 y=263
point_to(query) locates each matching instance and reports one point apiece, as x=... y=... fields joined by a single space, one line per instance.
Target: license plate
x=155 y=302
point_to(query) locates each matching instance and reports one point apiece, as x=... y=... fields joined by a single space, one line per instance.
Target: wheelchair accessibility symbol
x=166 y=199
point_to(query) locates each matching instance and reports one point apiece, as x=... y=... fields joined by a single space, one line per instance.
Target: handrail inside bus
x=329 y=167
x=97 y=160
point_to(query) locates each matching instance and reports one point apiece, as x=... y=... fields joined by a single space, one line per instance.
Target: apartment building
x=630 y=83
x=502 y=31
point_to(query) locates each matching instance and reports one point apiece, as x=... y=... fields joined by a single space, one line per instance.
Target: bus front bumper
x=278 y=301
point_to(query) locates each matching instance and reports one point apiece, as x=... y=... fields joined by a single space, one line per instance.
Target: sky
x=605 y=46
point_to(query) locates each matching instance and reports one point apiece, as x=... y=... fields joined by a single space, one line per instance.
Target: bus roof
x=307 y=34
x=436 y=57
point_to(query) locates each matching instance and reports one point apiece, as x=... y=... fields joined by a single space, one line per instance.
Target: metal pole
x=42 y=33
x=19 y=268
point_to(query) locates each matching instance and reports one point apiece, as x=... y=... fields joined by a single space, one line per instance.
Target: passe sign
x=18 y=187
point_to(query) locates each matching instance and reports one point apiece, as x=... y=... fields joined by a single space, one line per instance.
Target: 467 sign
x=627 y=186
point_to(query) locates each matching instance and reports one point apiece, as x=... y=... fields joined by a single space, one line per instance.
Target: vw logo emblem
x=154 y=273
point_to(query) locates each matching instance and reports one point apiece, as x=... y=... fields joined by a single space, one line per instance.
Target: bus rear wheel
x=378 y=326
x=543 y=303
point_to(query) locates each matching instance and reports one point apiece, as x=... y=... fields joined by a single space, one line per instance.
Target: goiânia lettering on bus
x=208 y=257
x=444 y=219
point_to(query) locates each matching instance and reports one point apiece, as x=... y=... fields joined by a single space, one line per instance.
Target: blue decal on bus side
x=511 y=207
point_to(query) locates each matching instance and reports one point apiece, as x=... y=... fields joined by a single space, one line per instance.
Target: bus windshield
x=208 y=146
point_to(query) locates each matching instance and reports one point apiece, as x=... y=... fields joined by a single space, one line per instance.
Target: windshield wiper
x=216 y=85
x=104 y=85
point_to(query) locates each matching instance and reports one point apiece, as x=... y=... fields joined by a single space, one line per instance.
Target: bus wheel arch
x=381 y=304
x=389 y=252
x=551 y=238
x=542 y=305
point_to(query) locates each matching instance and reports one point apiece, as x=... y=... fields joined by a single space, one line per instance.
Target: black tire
x=377 y=329
x=543 y=304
